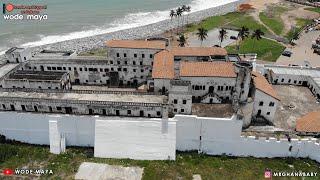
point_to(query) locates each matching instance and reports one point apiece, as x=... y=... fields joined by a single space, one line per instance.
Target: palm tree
x=178 y=14
x=172 y=15
x=222 y=35
x=188 y=10
x=243 y=33
x=257 y=35
x=182 y=40
x=184 y=9
x=202 y=34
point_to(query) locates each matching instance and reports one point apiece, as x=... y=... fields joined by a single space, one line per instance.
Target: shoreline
x=151 y=30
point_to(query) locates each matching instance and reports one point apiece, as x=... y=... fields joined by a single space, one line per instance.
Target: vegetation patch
x=266 y=49
x=66 y=165
x=294 y=31
x=313 y=9
x=233 y=20
x=94 y=52
x=272 y=18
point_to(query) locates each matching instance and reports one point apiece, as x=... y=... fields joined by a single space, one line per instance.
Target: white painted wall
x=142 y=139
x=151 y=139
x=265 y=108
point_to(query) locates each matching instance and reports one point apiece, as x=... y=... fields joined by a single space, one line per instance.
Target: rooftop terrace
x=37 y=75
x=72 y=96
x=5 y=69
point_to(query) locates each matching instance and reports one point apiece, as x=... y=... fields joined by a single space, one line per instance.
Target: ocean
x=70 y=19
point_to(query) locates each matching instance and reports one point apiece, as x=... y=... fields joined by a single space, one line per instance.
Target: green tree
x=242 y=35
x=182 y=40
x=257 y=35
x=202 y=34
x=222 y=35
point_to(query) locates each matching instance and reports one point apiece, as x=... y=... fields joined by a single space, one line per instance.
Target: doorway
x=211 y=89
x=68 y=110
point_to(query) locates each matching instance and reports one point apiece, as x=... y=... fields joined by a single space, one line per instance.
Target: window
x=142 y=70
x=295 y=81
x=129 y=112
x=125 y=69
x=141 y=63
x=175 y=101
x=184 y=101
x=69 y=68
x=142 y=55
x=134 y=63
x=134 y=70
x=48 y=68
x=118 y=62
x=193 y=87
x=59 y=108
x=85 y=69
x=118 y=55
x=54 y=68
x=261 y=103
x=268 y=113
x=135 y=55
x=182 y=110
x=80 y=69
x=282 y=80
x=101 y=70
x=64 y=68
x=175 y=110
x=74 y=68
x=125 y=62
x=4 y=106
x=24 y=58
x=111 y=62
x=271 y=104
x=59 y=68
x=151 y=56
x=158 y=113
x=289 y=80
x=50 y=108
x=124 y=55
x=197 y=88
x=119 y=69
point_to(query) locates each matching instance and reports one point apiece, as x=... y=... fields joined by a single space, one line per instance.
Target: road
x=302 y=51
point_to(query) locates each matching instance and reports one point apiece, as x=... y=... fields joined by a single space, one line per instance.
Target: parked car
x=233 y=37
x=317 y=51
x=287 y=53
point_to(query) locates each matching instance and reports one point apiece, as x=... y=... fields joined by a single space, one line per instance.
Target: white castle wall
x=143 y=138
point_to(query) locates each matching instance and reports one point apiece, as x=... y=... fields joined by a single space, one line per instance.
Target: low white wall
x=34 y=128
x=151 y=139
x=143 y=139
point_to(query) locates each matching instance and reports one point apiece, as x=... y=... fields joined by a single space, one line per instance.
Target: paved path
x=302 y=51
x=95 y=171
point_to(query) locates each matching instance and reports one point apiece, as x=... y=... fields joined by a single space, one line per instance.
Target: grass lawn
x=95 y=52
x=66 y=165
x=266 y=49
x=300 y=23
x=274 y=21
x=313 y=9
x=234 y=19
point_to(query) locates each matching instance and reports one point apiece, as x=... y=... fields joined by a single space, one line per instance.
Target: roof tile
x=263 y=85
x=309 y=122
x=163 y=65
x=136 y=44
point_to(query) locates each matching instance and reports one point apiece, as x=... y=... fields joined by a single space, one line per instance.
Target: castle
x=137 y=78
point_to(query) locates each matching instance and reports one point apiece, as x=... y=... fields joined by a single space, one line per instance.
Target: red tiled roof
x=309 y=122
x=163 y=65
x=136 y=44
x=207 y=69
x=198 y=51
x=263 y=85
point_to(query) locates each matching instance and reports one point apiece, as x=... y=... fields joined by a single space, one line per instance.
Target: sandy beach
x=152 y=30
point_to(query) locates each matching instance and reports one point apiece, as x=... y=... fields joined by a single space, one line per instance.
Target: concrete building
x=84 y=103
x=37 y=79
x=266 y=99
x=17 y=55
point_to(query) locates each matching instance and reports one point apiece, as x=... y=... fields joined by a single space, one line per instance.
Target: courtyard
x=296 y=101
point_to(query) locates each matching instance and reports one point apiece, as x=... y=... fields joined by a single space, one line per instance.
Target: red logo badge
x=9 y=7
x=7 y=172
